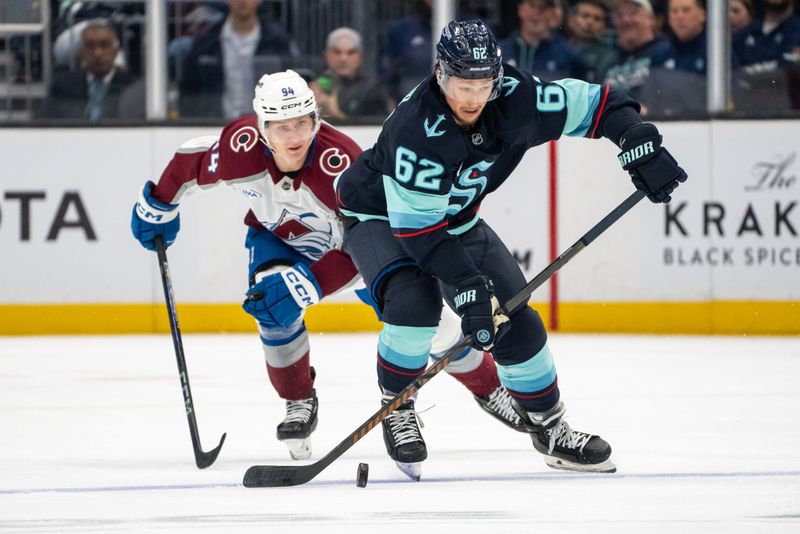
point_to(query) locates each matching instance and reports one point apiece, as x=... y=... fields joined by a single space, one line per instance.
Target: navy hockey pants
x=411 y=301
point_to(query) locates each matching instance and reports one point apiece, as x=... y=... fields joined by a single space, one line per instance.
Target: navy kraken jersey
x=427 y=176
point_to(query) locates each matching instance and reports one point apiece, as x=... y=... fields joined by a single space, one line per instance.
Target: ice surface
x=93 y=438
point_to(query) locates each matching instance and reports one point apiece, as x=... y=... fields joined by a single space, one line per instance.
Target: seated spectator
x=740 y=14
x=640 y=50
x=771 y=41
x=343 y=91
x=93 y=91
x=228 y=57
x=406 y=56
x=687 y=23
x=537 y=49
x=769 y=52
x=558 y=17
x=587 y=29
x=680 y=87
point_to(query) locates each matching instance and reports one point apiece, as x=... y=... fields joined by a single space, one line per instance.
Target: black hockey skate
x=498 y=405
x=403 y=439
x=564 y=448
x=300 y=421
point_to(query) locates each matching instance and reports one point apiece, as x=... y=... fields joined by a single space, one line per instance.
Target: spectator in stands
x=93 y=91
x=687 y=23
x=740 y=14
x=537 y=49
x=558 y=17
x=772 y=41
x=587 y=29
x=344 y=91
x=406 y=56
x=640 y=50
x=226 y=60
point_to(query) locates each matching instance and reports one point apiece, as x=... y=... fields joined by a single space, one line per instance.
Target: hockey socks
x=293 y=382
x=482 y=379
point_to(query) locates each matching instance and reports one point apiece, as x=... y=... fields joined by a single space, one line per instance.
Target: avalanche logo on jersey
x=333 y=162
x=471 y=183
x=307 y=233
x=244 y=138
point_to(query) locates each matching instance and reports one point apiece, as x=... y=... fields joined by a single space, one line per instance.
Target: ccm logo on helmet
x=290 y=106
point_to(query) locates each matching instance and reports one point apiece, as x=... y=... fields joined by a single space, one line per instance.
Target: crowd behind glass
x=361 y=57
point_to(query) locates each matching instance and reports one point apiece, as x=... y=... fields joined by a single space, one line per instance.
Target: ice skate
x=564 y=448
x=498 y=405
x=295 y=430
x=403 y=439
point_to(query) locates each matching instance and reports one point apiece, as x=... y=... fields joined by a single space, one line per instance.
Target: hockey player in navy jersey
x=414 y=228
x=283 y=161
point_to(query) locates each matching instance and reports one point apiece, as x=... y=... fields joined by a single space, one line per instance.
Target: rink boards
x=724 y=257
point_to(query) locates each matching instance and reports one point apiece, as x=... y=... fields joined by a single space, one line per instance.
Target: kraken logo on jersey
x=307 y=233
x=471 y=183
x=430 y=130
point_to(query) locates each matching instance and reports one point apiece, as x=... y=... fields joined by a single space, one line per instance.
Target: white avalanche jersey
x=301 y=211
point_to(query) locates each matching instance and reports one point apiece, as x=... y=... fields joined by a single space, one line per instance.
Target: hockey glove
x=477 y=305
x=151 y=218
x=652 y=169
x=279 y=299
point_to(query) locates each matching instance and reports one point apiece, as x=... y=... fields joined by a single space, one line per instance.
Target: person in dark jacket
x=92 y=92
x=773 y=39
x=345 y=91
x=537 y=49
x=640 y=48
x=228 y=58
x=687 y=24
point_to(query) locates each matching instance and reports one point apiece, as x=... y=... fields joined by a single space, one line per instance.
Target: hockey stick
x=259 y=476
x=201 y=458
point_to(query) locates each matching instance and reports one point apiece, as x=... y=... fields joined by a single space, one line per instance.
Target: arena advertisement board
x=65 y=210
x=729 y=236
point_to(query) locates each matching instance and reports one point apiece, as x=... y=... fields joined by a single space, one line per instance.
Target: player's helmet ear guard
x=468 y=49
x=281 y=96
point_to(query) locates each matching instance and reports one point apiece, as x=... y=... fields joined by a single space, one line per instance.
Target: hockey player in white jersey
x=283 y=160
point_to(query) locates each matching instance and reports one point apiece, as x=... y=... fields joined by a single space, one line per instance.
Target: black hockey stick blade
x=201 y=458
x=271 y=476
x=205 y=459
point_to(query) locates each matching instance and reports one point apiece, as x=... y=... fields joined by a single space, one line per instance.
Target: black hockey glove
x=476 y=303
x=652 y=169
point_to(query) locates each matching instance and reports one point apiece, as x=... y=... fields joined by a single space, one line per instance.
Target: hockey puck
x=362 y=475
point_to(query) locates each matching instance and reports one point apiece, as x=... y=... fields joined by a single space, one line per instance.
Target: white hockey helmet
x=281 y=96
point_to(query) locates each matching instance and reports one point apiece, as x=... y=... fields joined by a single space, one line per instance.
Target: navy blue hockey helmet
x=468 y=49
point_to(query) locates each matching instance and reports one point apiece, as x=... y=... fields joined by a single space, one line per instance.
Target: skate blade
x=565 y=465
x=299 y=449
x=411 y=470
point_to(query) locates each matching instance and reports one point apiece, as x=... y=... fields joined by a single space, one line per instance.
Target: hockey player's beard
x=465 y=119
